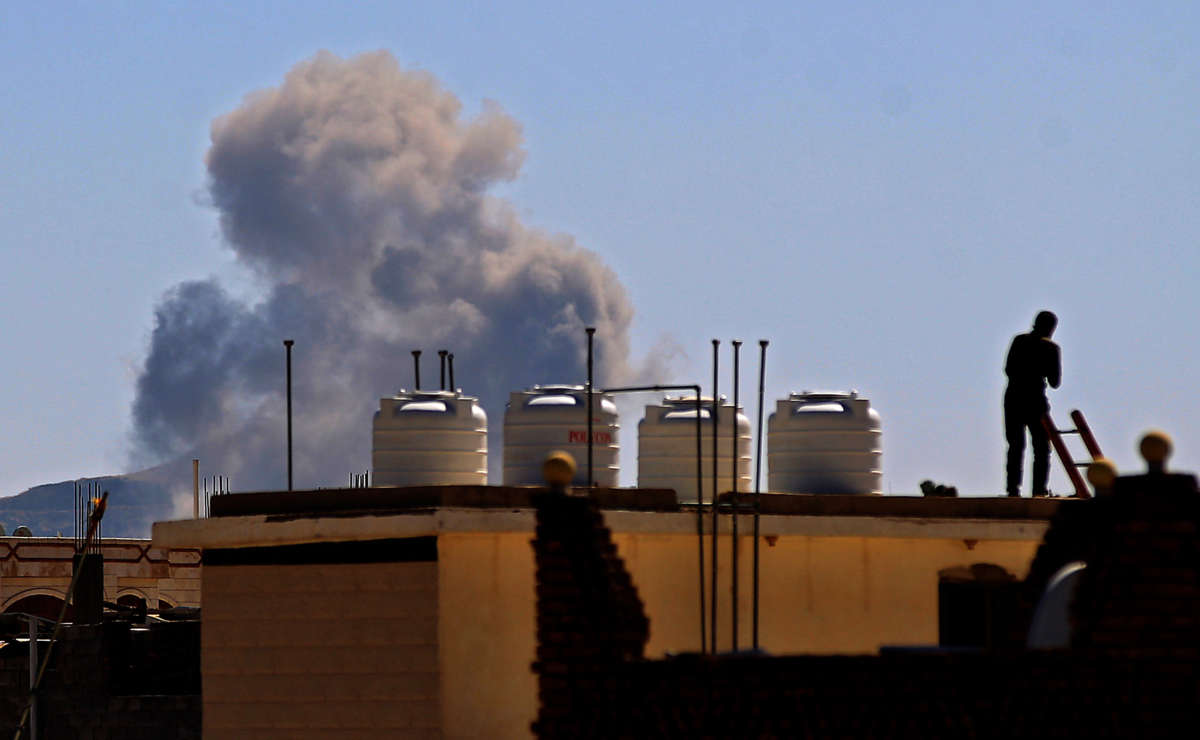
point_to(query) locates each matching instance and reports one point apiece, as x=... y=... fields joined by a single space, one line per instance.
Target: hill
x=134 y=503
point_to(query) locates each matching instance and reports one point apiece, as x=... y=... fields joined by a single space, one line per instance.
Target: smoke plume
x=356 y=194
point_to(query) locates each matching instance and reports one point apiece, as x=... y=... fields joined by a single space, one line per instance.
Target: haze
x=887 y=195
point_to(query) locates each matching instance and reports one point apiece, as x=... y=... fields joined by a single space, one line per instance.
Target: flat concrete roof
x=281 y=517
x=396 y=498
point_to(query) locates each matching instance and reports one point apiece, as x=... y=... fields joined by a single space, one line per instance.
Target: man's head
x=1044 y=323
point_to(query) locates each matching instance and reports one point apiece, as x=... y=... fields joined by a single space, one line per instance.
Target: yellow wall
x=320 y=651
x=486 y=634
x=818 y=594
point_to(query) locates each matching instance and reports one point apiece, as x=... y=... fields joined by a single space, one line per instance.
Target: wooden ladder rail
x=1089 y=441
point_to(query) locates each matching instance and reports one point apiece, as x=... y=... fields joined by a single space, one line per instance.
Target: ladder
x=1089 y=441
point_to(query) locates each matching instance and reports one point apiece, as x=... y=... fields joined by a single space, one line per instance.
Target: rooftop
x=249 y=519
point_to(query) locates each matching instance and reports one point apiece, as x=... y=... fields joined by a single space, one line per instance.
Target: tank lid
x=422 y=406
x=555 y=388
x=557 y=400
x=823 y=395
x=407 y=395
x=690 y=400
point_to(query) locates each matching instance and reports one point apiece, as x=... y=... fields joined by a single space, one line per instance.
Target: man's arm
x=1009 y=359
x=1054 y=371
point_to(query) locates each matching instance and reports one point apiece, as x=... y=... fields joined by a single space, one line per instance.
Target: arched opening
x=979 y=607
x=41 y=605
x=132 y=601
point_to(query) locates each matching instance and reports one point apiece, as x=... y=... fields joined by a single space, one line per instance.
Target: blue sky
x=887 y=194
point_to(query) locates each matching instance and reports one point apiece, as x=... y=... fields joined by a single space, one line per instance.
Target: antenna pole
x=195 y=488
x=591 y=333
x=287 y=343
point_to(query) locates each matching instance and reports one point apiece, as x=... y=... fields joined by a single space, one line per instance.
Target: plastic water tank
x=667 y=447
x=429 y=438
x=824 y=442
x=554 y=417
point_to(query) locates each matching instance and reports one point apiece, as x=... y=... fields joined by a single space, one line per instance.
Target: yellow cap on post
x=558 y=469
x=1102 y=473
x=1155 y=448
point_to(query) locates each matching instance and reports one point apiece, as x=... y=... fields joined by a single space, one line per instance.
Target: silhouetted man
x=1033 y=361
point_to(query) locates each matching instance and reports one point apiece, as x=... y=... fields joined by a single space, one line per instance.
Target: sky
x=888 y=194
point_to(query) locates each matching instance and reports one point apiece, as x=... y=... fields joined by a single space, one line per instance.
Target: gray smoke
x=357 y=196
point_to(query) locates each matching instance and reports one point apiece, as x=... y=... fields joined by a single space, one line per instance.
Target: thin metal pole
x=716 y=408
x=33 y=663
x=450 y=364
x=195 y=488
x=733 y=521
x=288 y=344
x=591 y=333
x=416 y=353
x=762 y=377
x=700 y=514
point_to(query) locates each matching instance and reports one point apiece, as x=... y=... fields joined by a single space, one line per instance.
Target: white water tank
x=429 y=438
x=824 y=442
x=554 y=417
x=667 y=447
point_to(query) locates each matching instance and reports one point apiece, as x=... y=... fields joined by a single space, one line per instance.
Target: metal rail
x=708 y=606
x=699 y=479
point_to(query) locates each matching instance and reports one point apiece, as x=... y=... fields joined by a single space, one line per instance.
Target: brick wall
x=1134 y=670
x=100 y=687
x=590 y=619
x=320 y=650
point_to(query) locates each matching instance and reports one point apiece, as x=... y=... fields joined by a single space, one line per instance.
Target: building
x=411 y=612
x=1113 y=649
x=35 y=573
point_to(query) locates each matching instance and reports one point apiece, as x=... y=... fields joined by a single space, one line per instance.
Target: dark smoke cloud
x=357 y=195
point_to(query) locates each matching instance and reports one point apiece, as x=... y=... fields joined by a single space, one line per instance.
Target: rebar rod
x=93 y=527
